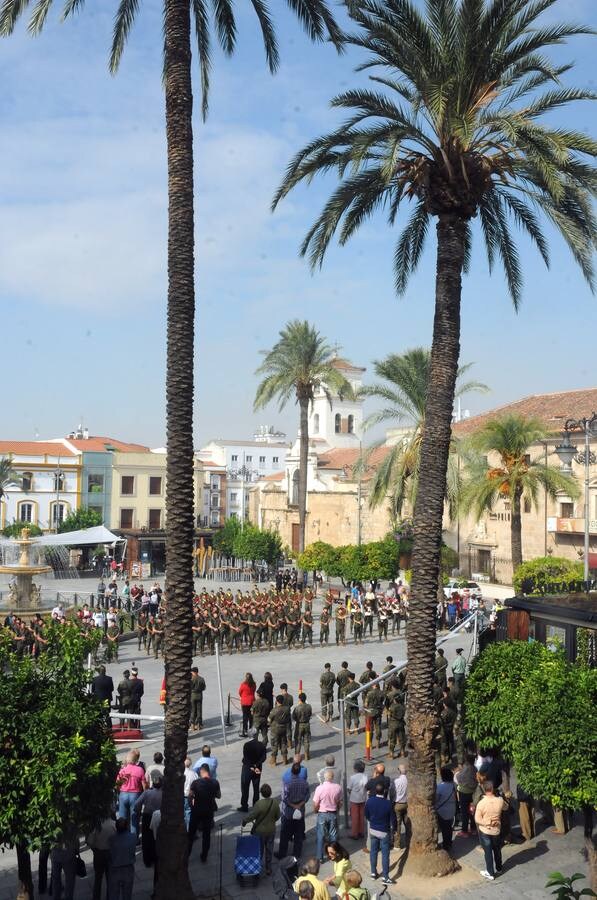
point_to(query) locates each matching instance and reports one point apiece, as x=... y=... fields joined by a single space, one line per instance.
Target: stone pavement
x=526 y=866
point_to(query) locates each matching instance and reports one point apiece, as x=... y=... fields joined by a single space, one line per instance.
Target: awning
x=98 y=535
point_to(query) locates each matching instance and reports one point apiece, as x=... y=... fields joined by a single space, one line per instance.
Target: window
x=215 y=519
x=234 y=457
x=57 y=514
x=276 y=460
x=527 y=505
x=126 y=518
x=566 y=510
x=295 y=487
x=25 y=513
x=234 y=497
x=97 y=509
x=27 y=481
x=215 y=501
x=262 y=460
x=337 y=423
x=215 y=483
x=249 y=458
x=95 y=484
x=351 y=424
x=58 y=481
x=127 y=487
x=155 y=486
x=155 y=518
x=316 y=423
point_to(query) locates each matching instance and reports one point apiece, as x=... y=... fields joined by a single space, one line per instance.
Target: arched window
x=295 y=488
x=58 y=513
x=27 y=481
x=337 y=423
x=25 y=513
x=316 y=423
x=58 y=481
x=351 y=424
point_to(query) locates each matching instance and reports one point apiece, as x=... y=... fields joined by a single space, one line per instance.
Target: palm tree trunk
x=516 y=529
x=303 y=460
x=174 y=883
x=428 y=512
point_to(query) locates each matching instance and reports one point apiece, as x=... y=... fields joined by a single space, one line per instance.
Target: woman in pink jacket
x=246 y=692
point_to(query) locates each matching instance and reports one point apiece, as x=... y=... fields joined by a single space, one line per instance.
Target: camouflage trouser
x=396 y=734
x=148 y=643
x=272 y=637
x=158 y=645
x=376 y=726
x=292 y=634
x=382 y=629
x=260 y=725
x=358 y=632
x=340 y=632
x=447 y=747
x=352 y=714
x=278 y=741
x=141 y=639
x=327 y=705
x=324 y=634
x=196 y=710
x=302 y=738
x=253 y=638
x=307 y=634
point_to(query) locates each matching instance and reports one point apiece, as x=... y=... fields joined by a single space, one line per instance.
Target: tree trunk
x=424 y=856
x=516 y=529
x=174 y=883
x=303 y=460
x=24 y=873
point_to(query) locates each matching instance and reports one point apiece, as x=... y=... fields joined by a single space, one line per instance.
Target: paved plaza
x=526 y=868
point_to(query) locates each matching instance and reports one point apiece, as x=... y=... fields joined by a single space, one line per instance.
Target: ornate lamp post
x=568 y=452
x=242 y=473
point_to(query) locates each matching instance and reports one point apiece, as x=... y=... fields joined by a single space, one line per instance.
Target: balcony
x=570 y=525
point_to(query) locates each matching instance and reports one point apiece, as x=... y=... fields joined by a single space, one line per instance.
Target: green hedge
x=533 y=576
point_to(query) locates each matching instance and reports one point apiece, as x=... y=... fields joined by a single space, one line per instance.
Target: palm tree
x=8 y=475
x=403 y=391
x=299 y=364
x=452 y=129
x=179 y=16
x=517 y=477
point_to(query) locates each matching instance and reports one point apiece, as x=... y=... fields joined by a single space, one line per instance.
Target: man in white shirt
x=58 y=613
x=98 y=618
x=330 y=763
x=189 y=777
x=400 y=798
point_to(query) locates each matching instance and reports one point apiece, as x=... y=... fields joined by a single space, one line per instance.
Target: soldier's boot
x=390 y=752
x=285 y=759
x=272 y=760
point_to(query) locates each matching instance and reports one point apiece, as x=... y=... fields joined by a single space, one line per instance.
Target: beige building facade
x=138 y=491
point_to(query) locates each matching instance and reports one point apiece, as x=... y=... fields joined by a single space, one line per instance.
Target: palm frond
x=268 y=33
x=123 y=22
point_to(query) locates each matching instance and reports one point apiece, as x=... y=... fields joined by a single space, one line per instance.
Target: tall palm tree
x=8 y=475
x=452 y=129
x=179 y=17
x=299 y=364
x=516 y=477
x=403 y=392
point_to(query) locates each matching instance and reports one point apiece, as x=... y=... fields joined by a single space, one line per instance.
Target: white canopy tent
x=98 y=535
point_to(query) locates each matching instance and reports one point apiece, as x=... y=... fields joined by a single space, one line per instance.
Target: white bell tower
x=341 y=424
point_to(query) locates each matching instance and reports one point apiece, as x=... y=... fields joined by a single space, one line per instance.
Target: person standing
x=288 y=701
x=327 y=801
x=445 y=806
x=374 y=701
x=137 y=691
x=189 y=777
x=441 y=666
x=378 y=812
x=459 y=668
x=130 y=780
x=197 y=688
x=145 y=806
x=295 y=794
x=260 y=711
x=357 y=794
x=208 y=759
x=400 y=794
x=465 y=778
x=264 y=815
x=254 y=754
x=63 y=859
x=396 y=725
x=302 y=717
x=121 y=875
x=99 y=843
x=526 y=812
x=246 y=693
x=124 y=691
x=266 y=689
x=488 y=817
x=327 y=680
x=204 y=793
x=279 y=721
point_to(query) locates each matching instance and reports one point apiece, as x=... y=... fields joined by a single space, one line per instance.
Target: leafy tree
x=300 y=364
x=453 y=128
x=403 y=390
x=516 y=477
x=554 y=749
x=564 y=886
x=58 y=764
x=8 y=475
x=533 y=576
x=15 y=529
x=223 y=540
x=208 y=17
x=79 y=519
x=316 y=557
x=257 y=545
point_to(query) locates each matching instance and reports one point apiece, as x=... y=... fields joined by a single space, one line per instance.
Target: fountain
x=24 y=559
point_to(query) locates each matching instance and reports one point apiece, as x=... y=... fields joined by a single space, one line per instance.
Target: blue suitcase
x=247 y=860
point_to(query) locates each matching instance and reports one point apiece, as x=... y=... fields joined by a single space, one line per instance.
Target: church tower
x=341 y=424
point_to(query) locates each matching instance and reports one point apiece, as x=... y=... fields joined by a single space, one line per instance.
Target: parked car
x=461 y=584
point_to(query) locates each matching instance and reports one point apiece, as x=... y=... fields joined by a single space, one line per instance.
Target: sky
x=83 y=239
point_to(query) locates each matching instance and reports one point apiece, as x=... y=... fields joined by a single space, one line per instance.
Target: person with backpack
x=264 y=815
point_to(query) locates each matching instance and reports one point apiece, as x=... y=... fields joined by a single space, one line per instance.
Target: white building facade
x=47 y=484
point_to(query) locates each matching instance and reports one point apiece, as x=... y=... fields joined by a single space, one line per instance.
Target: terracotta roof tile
x=551 y=409
x=345 y=459
x=34 y=448
x=277 y=476
x=340 y=363
x=95 y=443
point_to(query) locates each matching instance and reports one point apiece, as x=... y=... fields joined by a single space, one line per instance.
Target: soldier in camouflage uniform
x=273 y=627
x=302 y=733
x=447 y=721
x=396 y=729
x=342 y=677
x=357 y=624
x=158 y=637
x=374 y=700
x=112 y=635
x=260 y=713
x=441 y=668
x=141 y=630
x=279 y=722
x=351 y=707
x=324 y=626
x=307 y=628
x=341 y=615
x=327 y=680
x=288 y=701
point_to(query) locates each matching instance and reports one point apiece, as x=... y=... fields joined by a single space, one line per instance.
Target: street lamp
x=58 y=477
x=567 y=452
x=242 y=473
